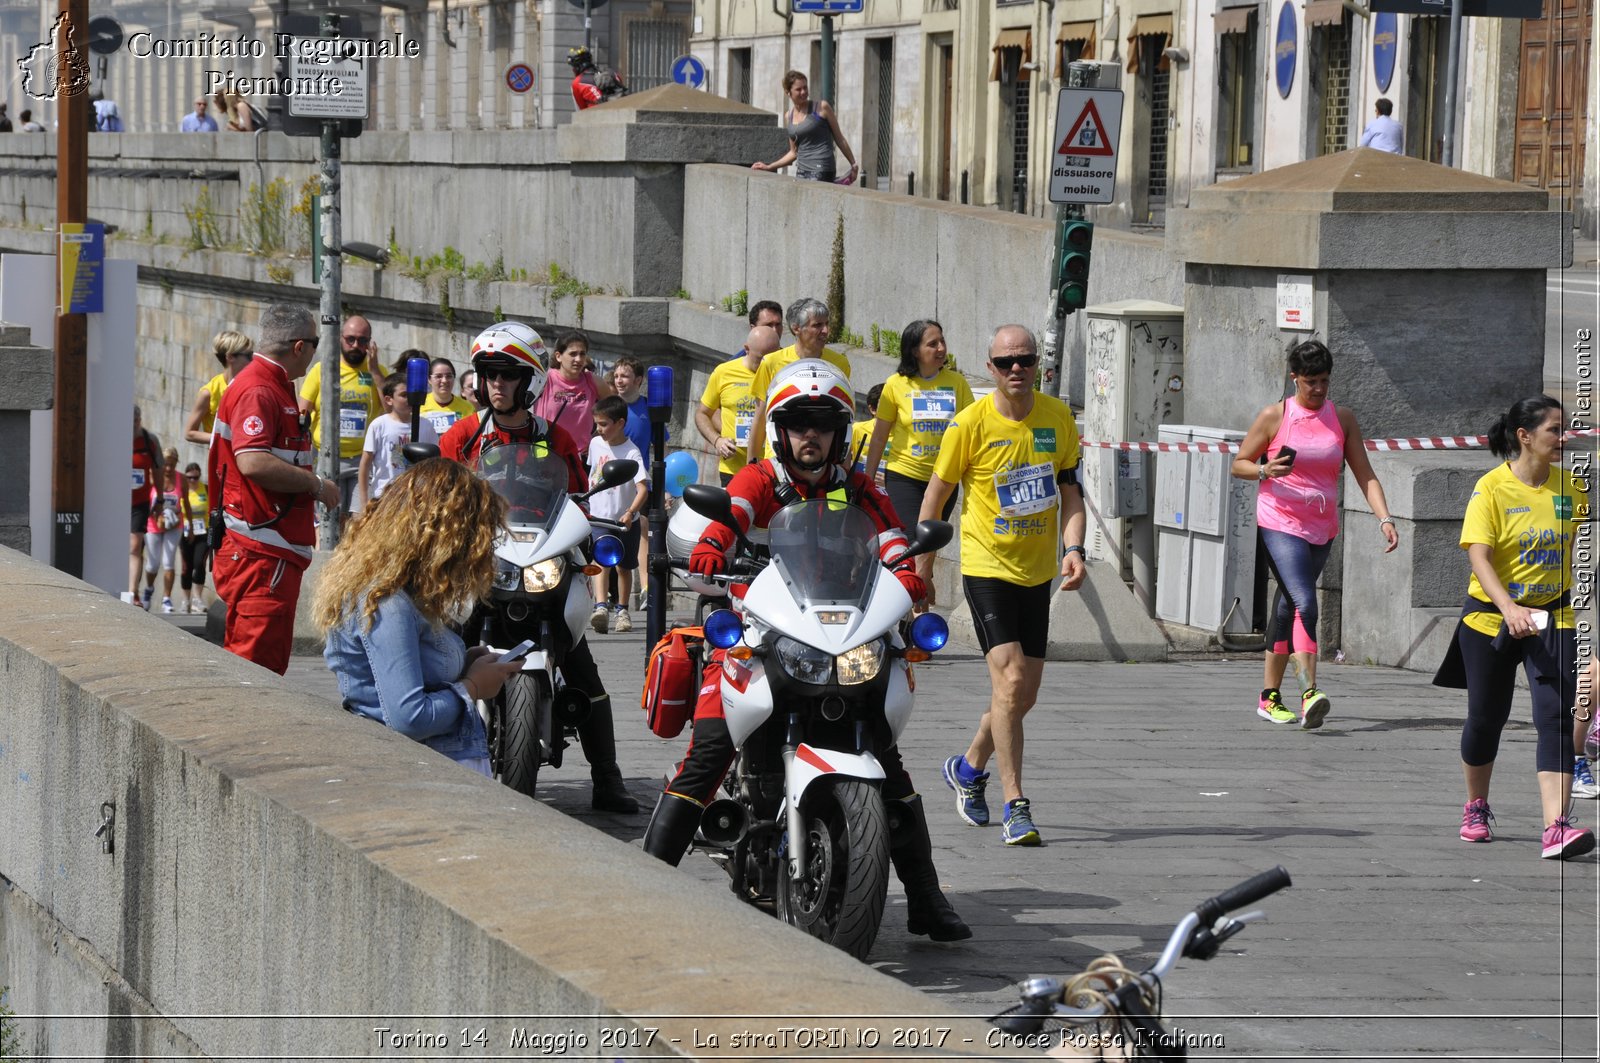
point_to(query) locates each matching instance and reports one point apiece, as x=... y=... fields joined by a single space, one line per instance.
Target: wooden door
x=1553 y=98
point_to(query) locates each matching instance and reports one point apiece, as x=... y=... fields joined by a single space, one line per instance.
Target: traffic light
x=1072 y=272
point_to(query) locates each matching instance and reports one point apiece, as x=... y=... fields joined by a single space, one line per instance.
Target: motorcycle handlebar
x=1247 y=892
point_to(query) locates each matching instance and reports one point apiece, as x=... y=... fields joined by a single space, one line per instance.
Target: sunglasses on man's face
x=1006 y=363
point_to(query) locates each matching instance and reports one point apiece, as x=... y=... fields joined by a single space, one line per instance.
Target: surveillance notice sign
x=1084 y=166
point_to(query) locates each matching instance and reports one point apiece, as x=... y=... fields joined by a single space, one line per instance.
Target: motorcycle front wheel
x=524 y=702
x=840 y=893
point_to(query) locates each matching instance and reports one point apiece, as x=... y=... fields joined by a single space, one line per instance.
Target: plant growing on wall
x=10 y=1036
x=265 y=216
x=836 y=284
x=205 y=229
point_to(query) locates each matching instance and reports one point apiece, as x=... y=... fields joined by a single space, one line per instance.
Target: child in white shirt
x=619 y=504
x=381 y=460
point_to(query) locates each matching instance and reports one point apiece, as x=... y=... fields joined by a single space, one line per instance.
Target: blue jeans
x=1297 y=564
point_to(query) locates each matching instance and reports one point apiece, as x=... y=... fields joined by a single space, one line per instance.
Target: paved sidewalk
x=1155 y=786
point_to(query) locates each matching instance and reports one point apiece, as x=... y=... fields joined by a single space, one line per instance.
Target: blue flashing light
x=929 y=632
x=416 y=375
x=658 y=385
x=608 y=551
x=724 y=629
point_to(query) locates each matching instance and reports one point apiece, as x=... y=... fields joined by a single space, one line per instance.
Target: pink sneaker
x=1563 y=841
x=1475 y=819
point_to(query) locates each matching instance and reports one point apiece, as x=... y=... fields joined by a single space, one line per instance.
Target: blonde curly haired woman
x=416 y=560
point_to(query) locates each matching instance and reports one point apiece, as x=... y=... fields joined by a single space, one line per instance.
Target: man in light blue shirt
x=199 y=121
x=1383 y=132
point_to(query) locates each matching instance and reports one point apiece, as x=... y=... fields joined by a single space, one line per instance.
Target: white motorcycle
x=817 y=678
x=541 y=602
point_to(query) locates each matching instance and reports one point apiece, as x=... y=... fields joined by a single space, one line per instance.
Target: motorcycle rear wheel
x=524 y=702
x=840 y=894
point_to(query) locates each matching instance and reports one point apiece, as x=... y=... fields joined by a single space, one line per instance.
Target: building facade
x=956 y=99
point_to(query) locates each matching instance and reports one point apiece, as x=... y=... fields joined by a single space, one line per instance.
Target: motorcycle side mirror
x=714 y=503
x=613 y=473
x=417 y=453
x=929 y=536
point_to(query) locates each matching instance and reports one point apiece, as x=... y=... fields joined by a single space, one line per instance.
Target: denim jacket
x=403 y=674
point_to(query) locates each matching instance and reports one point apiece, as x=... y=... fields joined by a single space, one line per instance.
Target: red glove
x=708 y=559
x=912 y=582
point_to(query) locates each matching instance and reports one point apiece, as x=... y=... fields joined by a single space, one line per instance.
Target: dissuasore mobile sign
x=1083 y=168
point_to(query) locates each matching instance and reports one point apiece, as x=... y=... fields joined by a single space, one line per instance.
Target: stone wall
x=270 y=855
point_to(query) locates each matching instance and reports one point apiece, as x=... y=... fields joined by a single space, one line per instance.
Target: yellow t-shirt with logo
x=918 y=412
x=1529 y=531
x=360 y=403
x=199 y=510
x=770 y=366
x=1010 y=510
x=728 y=392
x=442 y=417
x=214 y=389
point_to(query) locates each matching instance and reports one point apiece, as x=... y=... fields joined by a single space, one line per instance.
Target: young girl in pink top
x=572 y=389
x=1309 y=442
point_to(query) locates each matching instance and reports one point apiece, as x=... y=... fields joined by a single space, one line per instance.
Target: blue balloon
x=682 y=470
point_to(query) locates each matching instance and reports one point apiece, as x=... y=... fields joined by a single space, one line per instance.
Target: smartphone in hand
x=517 y=652
x=1287 y=452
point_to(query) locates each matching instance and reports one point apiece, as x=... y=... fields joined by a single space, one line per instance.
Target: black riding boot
x=599 y=744
x=927 y=910
x=672 y=828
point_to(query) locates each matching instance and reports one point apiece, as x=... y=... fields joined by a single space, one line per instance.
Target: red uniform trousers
x=261 y=591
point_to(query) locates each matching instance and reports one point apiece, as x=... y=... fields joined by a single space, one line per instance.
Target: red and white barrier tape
x=1418 y=443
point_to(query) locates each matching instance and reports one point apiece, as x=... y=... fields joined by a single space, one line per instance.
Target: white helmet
x=511 y=346
x=809 y=393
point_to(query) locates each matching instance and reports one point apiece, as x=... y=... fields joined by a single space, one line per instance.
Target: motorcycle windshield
x=827 y=553
x=534 y=484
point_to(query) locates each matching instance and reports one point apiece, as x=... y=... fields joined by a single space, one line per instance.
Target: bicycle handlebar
x=1247 y=892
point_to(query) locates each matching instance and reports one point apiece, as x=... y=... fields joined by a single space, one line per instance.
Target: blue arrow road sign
x=687 y=70
x=827 y=7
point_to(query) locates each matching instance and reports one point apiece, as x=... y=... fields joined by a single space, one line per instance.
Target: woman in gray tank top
x=813 y=131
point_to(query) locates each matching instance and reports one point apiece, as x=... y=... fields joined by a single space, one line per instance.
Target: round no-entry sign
x=519 y=78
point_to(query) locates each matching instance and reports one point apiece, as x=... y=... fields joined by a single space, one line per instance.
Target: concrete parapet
x=270 y=855
x=1399 y=609
x=27 y=383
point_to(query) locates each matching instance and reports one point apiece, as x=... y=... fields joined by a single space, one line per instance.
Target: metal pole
x=1451 y=70
x=827 y=62
x=1079 y=76
x=72 y=330
x=328 y=452
x=586 y=23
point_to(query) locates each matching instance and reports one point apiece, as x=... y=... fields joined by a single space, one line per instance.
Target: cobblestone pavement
x=1156 y=786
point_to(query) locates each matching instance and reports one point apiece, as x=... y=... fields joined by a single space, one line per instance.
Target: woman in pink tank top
x=1297 y=450
x=572 y=389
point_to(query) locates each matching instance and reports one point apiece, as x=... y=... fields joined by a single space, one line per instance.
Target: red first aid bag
x=672 y=681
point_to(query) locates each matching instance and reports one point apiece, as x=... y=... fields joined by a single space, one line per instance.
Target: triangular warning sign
x=1087 y=135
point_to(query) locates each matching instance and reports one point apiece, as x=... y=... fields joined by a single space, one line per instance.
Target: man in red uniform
x=509 y=360
x=810 y=408
x=590 y=85
x=260 y=471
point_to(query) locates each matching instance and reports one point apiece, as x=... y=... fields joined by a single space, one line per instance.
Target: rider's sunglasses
x=1006 y=363
x=499 y=374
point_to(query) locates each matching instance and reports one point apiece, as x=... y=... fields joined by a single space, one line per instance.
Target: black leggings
x=195 y=552
x=1491 y=684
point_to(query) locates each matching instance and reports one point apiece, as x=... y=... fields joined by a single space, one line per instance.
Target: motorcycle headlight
x=861 y=664
x=804 y=663
x=506 y=575
x=545 y=576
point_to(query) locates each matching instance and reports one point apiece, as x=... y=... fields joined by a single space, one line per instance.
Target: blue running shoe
x=970 y=805
x=1019 y=828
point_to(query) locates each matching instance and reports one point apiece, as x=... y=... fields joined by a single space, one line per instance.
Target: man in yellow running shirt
x=360 y=403
x=808 y=320
x=1015 y=455
x=728 y=408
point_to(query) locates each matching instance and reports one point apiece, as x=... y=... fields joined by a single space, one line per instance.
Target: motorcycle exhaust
x=571 y=707
x=724 y=822
x=517 y=612
x=832 y=708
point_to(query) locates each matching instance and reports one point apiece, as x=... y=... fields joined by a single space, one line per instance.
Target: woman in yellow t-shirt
x=918 y=403
x=1519 y=534
x=442 y=407
x=234 y=351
